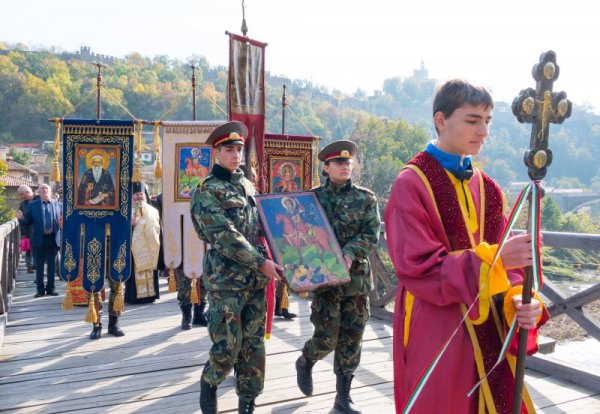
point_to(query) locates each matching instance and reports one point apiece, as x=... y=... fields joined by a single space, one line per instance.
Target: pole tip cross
x=541 y=107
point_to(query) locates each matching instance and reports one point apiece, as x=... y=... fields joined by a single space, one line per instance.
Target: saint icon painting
x=302 y=241
x=96 y=181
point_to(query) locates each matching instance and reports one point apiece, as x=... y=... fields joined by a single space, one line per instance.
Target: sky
x=338 y=44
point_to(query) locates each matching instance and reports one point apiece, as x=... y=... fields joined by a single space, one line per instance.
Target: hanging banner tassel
x=119 y=305
x=194 y=300
x=172 y=282
x=285 y=302
x=68 y=301
x=136 y=176
x=158 y=168
x=91 y=316
x=55 y=173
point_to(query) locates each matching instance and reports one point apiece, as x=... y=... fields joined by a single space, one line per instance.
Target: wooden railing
x=385 y=283
x=9 y=261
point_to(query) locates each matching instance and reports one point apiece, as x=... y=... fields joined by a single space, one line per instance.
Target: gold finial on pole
x=55 y=174
x=244 y=25
x=316 y=182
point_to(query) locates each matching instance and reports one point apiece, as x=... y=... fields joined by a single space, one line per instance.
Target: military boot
x=186 y=316
x=208 y=398
x=286 y=314
x=246 y=406
x=304 y=375
x=199 y=318
x=96 y=331
x=113 y=326
x=343 y=402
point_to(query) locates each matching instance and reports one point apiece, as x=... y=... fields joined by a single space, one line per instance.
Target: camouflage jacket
x=354 y=216
x=224 y=214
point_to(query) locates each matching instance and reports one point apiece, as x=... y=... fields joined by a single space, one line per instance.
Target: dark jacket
x=34 y=217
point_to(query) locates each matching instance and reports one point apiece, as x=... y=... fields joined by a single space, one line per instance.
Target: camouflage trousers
x=339 y=323
x=114 y=287
x=236 y=326
x=184 y=288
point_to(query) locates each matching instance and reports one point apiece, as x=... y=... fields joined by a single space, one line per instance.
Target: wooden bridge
x=49 y=365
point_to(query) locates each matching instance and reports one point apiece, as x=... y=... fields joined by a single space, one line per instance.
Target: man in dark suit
x=44 y=217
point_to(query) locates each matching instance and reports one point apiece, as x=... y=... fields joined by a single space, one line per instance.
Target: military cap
x=338 y=150
x=231 y=133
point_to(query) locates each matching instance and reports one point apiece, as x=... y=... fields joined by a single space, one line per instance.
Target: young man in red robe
x=443 y=222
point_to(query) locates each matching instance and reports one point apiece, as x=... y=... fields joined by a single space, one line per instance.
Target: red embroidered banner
x=246 y=90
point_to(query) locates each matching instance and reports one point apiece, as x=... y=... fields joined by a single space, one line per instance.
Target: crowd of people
x=444 y=222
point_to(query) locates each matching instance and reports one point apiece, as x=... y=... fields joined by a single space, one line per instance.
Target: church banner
x=187 y=159
x=97 y=167
x=246 y=90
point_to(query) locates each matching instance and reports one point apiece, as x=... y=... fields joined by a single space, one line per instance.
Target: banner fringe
x=68 y=301
x=194 y=300
x=119 y=305
x=91 y=316
x=172 y=282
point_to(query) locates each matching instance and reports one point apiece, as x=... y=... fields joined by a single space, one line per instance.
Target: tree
x=6 y=213
x=551 y=215
x=18 y=156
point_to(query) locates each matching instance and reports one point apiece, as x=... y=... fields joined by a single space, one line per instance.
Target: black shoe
x=96 y=331
x=186 y=316
x=287 y=315
x=113 y=326
x=304 y=375
x=246 y=406
x=199 y=317
x=30 y=269
x=51 y=293
x=208 y=398
x=39 y=295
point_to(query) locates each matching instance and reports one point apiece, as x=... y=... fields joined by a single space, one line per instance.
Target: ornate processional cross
x=540 y=107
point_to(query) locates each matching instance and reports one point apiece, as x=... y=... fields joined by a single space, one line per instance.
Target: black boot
x=304 y=375
x=343 y=402
x=208 y=398
x=186 y=316
x=246 y=406
x=96 y=331
x=287 y=315
x=199 y=318
x=113 y=326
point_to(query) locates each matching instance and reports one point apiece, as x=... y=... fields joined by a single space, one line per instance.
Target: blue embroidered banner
x=97 y=168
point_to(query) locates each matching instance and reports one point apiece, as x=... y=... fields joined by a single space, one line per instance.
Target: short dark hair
x=456 y=92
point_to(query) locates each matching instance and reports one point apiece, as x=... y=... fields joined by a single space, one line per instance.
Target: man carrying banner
x=340 y=314
x=235 y=273
x=444 y=221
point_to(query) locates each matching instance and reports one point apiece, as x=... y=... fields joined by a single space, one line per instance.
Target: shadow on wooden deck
x=48 y=364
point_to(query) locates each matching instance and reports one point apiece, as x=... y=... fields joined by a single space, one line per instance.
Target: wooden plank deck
x=49 y=365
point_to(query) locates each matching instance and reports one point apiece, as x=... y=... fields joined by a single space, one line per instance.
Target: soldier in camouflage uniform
x=340 y=313
x=235 y=273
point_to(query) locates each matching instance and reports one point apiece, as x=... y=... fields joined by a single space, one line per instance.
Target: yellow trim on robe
x=469 y=215
x=409 y=300
x=491 y=280
x=485 y=386
x=421 y=175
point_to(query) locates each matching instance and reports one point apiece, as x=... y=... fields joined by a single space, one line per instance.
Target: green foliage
x=18 y=156
x=6 y=213
x=578 y=222
x=551 y=215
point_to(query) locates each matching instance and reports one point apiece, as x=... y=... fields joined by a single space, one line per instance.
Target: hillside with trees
x=390 y=126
